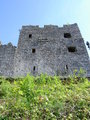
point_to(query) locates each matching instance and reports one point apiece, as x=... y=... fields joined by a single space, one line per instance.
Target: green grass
x=45 y=98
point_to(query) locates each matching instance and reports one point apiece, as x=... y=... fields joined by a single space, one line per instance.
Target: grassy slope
x=45 y=98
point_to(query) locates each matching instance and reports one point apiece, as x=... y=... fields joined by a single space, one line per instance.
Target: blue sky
x=15 y=13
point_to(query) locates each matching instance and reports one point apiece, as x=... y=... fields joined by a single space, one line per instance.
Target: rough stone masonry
x=53 y=50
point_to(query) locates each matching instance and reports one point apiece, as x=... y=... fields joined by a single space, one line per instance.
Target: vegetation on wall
x=45 y=98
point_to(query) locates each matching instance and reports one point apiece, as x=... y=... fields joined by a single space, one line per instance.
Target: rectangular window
x=67 y=35
x=34 y=68
x=66 y=67
x=33 y=50
x=30 y=35
x=72 y=49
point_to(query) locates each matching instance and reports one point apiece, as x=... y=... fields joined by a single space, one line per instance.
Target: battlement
x=49 y=26
x=7 y=45
x=50 y=49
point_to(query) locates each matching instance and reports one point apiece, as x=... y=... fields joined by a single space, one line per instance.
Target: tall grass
x=45 y=98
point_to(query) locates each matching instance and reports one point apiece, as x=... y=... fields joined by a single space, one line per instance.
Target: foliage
x=45 y=98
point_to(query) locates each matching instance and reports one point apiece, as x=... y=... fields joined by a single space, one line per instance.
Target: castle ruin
x=53 y=50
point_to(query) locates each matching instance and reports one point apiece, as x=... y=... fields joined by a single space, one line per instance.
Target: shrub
x=45 y=98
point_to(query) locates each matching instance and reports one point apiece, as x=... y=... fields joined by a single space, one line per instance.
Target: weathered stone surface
x=7 y=53
x=52 y=50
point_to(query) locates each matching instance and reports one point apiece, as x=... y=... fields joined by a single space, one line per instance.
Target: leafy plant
x=45 y=98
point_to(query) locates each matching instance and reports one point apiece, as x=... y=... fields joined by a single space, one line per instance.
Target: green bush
x=45 y=98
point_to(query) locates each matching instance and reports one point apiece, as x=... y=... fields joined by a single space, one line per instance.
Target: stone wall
x=53 y=50
x=7 y=53
x=51 y=54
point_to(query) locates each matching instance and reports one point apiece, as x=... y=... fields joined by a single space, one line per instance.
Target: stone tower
x=53 y=50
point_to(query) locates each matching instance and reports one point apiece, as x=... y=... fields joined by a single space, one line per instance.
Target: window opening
x=33 y=50
x=66 y=67
x=34 y=68
x=67 y=35
x=30 y=35
x=72 y=49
